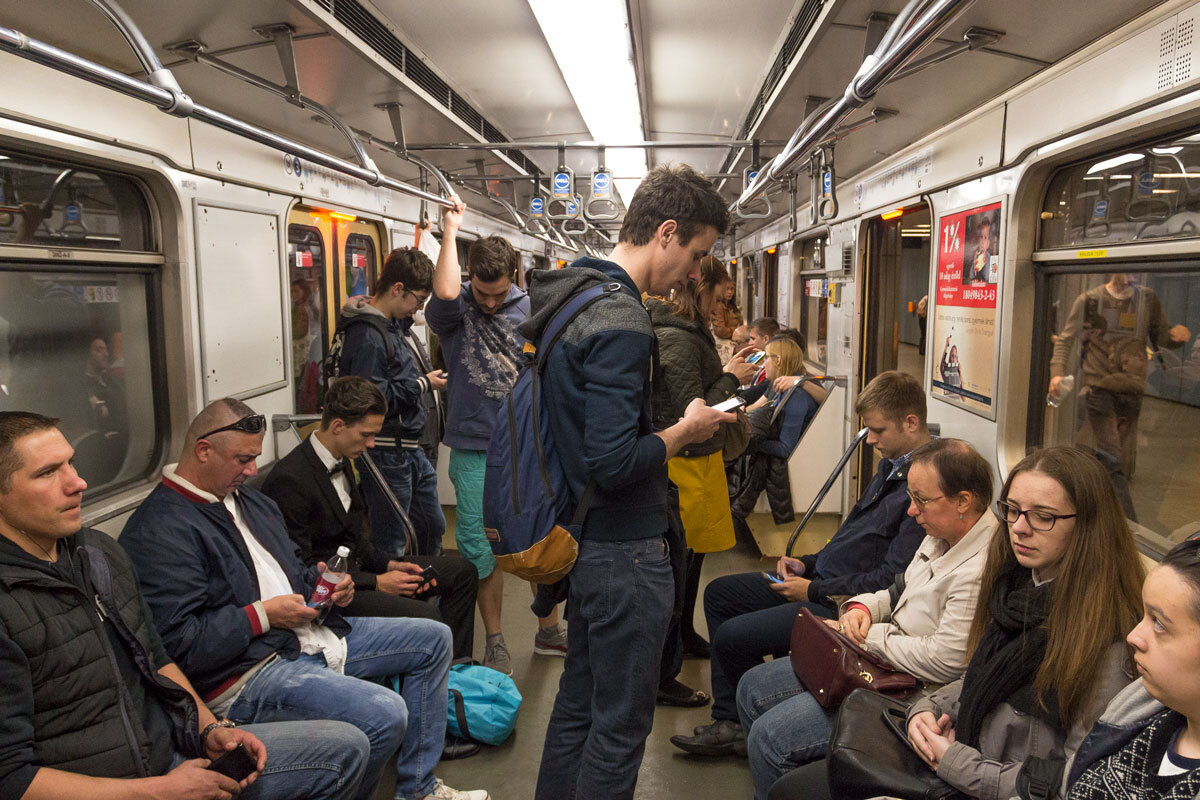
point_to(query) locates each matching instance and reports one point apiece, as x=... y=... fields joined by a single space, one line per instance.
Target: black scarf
x=1009 y=654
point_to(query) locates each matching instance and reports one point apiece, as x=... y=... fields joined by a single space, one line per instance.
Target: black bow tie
x=338 y=468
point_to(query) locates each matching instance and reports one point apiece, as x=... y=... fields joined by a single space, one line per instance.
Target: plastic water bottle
x=334 y=572
x=1065 y=387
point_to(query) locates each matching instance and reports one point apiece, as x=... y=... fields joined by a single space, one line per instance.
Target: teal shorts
x=466 y=472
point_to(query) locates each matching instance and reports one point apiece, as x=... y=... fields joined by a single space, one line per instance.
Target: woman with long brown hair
x=1062 y=587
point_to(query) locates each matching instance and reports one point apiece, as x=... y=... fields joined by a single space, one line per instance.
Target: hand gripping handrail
x=833 y=476
x=173 y=102
x=918 y=24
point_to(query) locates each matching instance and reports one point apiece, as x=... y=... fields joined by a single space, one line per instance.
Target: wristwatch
x=221 y=723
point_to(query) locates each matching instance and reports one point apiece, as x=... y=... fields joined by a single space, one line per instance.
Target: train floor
x=509 y=772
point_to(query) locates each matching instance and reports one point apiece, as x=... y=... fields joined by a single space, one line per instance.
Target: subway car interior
x=190 y=191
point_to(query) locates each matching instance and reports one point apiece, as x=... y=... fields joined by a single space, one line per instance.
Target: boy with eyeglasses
x=402 y=288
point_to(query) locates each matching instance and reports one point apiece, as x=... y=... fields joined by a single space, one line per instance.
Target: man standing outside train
x=373 y=347
x=597 y=398
x=476 y=323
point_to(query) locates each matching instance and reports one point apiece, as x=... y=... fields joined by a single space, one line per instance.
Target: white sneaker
x=443 y=792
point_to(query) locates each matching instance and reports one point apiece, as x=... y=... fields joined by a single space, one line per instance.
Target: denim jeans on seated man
x=413 y=721
x=414 y=482
x=619 y=606
x=786 y=727
x=318 y=759
x=747 y=621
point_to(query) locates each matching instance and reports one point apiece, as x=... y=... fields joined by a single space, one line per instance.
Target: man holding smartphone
x=314 y=487
x=93 y=706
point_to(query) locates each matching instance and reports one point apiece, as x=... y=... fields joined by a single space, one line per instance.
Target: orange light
x=893 y=214
x=770 y=251
x=733 y=262
x=343 y=217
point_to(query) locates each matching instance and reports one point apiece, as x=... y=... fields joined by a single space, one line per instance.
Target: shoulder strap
x=378 y=323
x=566 y=313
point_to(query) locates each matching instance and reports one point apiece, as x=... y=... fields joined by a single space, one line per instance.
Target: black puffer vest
x=82 y=717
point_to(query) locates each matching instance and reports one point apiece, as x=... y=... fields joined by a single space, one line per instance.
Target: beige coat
x=1009 y=737
x=925 y=634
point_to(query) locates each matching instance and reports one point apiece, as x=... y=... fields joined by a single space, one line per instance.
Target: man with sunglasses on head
x=227 y=594
x=390 y=364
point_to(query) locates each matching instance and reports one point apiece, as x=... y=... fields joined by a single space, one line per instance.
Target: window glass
x=1124 y=371
x=361 y=268
x=77 y=346
x=306 y=260
x=1145 y=193
x=50 y=204
x=812 y=292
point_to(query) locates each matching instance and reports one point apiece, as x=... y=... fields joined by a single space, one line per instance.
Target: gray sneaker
x=495 y=656
x=550 y=641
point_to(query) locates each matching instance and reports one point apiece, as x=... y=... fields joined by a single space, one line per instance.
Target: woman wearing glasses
x=1062 y=583
x=923 y=631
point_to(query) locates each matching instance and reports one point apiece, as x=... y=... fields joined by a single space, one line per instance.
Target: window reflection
x=77 y=347
x=1125 y=375
x=306 y=260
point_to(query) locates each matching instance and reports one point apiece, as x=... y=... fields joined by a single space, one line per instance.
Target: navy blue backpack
x=529 y=515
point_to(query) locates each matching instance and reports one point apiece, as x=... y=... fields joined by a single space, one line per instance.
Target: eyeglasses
x=421 y=300
x=252 y=423
x=921 y=502
x=1037 y=520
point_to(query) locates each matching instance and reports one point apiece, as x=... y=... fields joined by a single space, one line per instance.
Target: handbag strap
x=460 y=713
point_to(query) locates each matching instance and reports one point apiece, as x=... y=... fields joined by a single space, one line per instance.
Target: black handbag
x=869 y=753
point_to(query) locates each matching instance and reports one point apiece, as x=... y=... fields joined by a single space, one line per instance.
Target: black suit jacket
x=299 y=483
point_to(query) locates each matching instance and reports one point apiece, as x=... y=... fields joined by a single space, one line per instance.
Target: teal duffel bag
x=483 y=704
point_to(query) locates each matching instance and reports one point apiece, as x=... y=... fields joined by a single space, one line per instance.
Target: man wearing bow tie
x=315 y=489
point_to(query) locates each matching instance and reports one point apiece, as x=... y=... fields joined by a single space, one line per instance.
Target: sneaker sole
x=502 y=672
x=548 y=650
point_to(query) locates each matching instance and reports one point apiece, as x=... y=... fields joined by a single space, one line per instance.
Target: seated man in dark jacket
x=93 y=707
x=227 y=592
x=749 y=617
x=323 y=509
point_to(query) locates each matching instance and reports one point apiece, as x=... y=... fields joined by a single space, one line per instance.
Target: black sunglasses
x=253 y=423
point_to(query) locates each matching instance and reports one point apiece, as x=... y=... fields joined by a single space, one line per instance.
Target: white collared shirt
x=272 y=580
x=339 y=479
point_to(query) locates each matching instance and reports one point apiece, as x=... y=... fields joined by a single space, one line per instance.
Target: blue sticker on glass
x=1100 y=210
x=72 y=213
x=1147 y=182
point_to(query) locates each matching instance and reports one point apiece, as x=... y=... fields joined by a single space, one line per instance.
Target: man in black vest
x=324 y=510
x=92 y=704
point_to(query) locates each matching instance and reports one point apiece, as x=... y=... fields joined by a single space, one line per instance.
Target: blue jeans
x=413 y=721
x=319 y=760
x=786 y=727
x=747 y=621
x=414 y=482
x=619 y=605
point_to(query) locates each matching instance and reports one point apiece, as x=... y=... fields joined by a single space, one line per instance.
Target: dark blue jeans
x=414 y=482
x=619 y=604
x=747 y=622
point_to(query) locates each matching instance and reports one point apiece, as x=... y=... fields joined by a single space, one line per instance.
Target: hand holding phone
x=772 y=577
x=237 y=764
x=754 y=358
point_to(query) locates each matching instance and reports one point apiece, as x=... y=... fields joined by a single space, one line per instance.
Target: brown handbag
x=831 y=666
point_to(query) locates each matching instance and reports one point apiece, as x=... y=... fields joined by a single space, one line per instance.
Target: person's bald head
x=220 y=461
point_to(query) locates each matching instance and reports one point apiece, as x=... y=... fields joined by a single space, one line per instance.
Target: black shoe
x=456 y=747
x=675 y=693
x=696 y=646
x=722 y=738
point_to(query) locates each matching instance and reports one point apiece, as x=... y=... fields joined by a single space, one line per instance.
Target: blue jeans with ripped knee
x=413 y=721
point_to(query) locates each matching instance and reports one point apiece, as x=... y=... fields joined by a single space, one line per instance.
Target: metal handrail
x=176 y=103
x=411 y=543
x=920 y=22
x=833 y=476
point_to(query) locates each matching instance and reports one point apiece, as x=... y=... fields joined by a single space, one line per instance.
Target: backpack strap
x=378 y=323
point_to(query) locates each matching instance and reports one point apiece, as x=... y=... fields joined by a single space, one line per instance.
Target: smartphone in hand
x=772 y=577
x=732 y=404
x=238 y=764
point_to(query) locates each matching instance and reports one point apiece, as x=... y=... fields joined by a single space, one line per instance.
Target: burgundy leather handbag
x=831 y=666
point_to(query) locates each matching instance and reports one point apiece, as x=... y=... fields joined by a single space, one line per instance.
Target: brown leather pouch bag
x=831 y=666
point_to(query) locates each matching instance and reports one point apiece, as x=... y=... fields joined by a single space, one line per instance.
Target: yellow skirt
x=703 y=501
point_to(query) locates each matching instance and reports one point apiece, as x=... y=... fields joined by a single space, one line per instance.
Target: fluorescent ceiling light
x=1128 y=158
x=591 y=42
x=1165 y=151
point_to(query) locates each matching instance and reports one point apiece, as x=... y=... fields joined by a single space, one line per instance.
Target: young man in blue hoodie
x=403 y=287
x=476 y=323
x=597 y=397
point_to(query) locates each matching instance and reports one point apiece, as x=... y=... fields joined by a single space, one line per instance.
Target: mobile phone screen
x=754 y=358
x=730 y=405
x=772 y=577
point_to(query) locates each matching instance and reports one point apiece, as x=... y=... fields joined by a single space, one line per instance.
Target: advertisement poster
x=963 y=342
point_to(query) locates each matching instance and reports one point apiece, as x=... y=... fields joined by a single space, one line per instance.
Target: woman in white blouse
x=922 y=631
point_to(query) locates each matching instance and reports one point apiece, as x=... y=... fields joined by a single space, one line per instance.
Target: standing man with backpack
x=369 y=342
x=476 y=323
x=596 y=394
